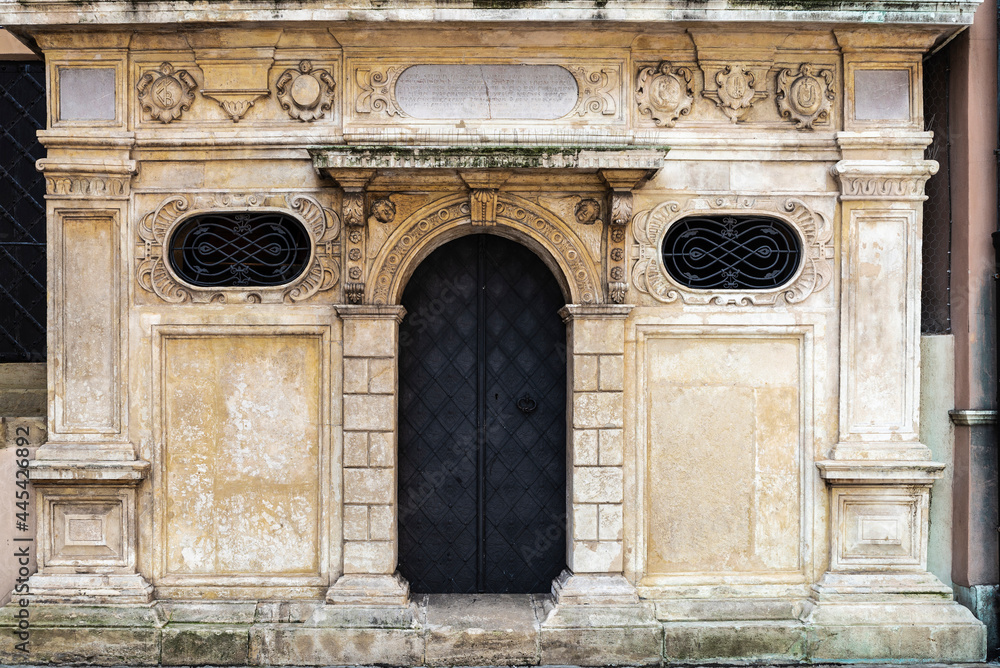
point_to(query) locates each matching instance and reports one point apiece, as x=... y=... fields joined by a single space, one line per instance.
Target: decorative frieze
x=154 y=274
x=166 y=94
x=305 y=93
x=87 y=180
x=649 y=228
x=883 y=180
x=805 y=96
x=664 y=93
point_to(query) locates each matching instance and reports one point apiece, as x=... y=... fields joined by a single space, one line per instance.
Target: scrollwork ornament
x=166 y=94
x=154 y=230
x=805 y=96
x=378 y=91
x=664 y=93
x=305 y=93
x=650 y=226
x=596 y=90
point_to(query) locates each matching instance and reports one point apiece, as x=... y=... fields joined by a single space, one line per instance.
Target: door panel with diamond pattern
x=482 y=422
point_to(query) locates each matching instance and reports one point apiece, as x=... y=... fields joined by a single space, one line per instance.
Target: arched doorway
x=482 y=421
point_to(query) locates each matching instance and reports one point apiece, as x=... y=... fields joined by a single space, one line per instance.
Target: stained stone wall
x=746 y=477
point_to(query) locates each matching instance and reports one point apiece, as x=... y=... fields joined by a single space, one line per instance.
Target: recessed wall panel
x=724 y=454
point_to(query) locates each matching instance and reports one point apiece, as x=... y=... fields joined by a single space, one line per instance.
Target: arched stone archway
x=516 y=218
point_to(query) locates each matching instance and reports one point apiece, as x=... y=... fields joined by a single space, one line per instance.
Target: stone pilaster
x=879 y=475
x=369 y=471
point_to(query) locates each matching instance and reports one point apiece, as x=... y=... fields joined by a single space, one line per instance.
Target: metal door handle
x=526 y=404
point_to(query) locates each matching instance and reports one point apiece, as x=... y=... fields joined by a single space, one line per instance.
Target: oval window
x=731 y=252
x=240 y=249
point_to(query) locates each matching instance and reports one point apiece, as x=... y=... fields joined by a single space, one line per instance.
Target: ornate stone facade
x=745 y=478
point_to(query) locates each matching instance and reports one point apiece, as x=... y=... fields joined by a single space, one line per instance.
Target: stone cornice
x=120 y=12
x=883 y=179
x=488 y=157
x=868 y=472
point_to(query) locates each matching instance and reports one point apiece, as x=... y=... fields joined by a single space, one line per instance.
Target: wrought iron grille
x=239 y=249
x=22 y=213
x=731 y=252
x=935 y=300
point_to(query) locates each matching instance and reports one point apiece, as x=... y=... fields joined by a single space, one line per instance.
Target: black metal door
x=482 y=422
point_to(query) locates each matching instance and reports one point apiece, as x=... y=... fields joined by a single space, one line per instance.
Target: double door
x=482 y=421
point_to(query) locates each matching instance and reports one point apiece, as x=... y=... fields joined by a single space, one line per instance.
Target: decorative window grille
x=731 y=252
x=22 y=213
x=242 y=249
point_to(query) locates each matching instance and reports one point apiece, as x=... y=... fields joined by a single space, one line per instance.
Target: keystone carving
x=167 y=94
x=664 y=93
x=805 y=96
x=483 y=206
x=306 y=93
x=736 y=91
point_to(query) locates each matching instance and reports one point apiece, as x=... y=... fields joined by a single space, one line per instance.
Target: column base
x=91 y=588
x=367 y=590
x=593 y=589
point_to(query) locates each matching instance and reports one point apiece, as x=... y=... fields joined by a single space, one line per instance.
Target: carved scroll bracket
x=620 y=201
x=354 y=183
x=483 y=187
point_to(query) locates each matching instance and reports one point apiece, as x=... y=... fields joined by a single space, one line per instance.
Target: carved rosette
x=154 y=275
x=306 y=93
x=596 y=88
x=166 y=94
x=664 y=93
x=804 y=96
x=378 y=91
x=736 y=90
x=621 y=213
x=650 y=226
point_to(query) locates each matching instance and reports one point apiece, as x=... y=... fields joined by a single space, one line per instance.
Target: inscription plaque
x=489 y=92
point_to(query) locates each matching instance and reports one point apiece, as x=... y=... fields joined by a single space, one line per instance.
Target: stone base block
x=75 y=645
x=90 y=589
x=772 y=642
x=488 y=629
x=370 y=590
x=929 y=630
x=584 y=589
x=290 y=645
x=592 y=635
x=191 y=644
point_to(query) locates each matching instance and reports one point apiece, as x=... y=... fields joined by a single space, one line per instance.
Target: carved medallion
x=587 y=211
x=306 y=94
x=735 y=92
x=664 y=93
x=167 y=94
x=805 y=97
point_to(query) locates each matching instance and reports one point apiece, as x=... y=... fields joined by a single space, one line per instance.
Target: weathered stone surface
x=761 y=641
x=625 y=646
x=497 y=629
x=311 y=646
x=185 y=645
x=82 y=645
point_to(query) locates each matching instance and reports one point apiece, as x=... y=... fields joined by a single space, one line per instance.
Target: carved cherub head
x=587 y=211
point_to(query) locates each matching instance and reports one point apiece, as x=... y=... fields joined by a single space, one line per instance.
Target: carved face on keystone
x=587 y=211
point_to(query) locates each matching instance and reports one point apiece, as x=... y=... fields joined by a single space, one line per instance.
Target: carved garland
x=154 y=275
x=650 y=226
x=508 y=213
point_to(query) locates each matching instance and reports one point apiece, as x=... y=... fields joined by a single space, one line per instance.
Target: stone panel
x=242 y=441
x=723 y=425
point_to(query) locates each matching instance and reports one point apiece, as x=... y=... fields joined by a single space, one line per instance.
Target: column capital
x=883 y=179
